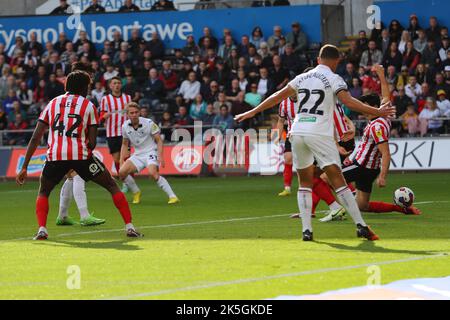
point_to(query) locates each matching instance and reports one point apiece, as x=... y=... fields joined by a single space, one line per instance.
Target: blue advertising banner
x=424 y=9
x=172 y=27
x=5 y=155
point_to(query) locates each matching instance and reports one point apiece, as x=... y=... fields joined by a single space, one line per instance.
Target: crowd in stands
x=217 y=76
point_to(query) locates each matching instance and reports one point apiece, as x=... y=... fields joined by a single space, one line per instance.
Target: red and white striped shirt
x=68 y=117
x=288 y=110
x=377 y=131
x=115 y=106
x=340 y=126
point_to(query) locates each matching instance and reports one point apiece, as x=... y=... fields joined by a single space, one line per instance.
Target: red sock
x=121 y=204
x=42 y=210
x=323 y=191
x=351 y=187
x=316 y=201
x=379 y=207
x=117 y=165
x=287 y=175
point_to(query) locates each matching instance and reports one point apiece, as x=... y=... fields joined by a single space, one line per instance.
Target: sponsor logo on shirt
x=308 y=119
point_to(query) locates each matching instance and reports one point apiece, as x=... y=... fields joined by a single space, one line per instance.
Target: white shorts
x=306 y=149
x=142 y=161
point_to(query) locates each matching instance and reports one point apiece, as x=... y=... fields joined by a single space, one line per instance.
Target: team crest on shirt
x=379 y=132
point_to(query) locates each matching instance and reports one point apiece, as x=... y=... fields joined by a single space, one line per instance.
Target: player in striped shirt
x=114 y=114
x=371 y=160
x=72 y=123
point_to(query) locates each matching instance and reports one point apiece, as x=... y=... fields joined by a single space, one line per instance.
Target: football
x=404 y=197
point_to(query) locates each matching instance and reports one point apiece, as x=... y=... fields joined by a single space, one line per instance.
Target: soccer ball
x=404 y=197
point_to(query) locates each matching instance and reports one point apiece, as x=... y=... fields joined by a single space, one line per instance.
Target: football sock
x=379 y=207
x=64 y=198
x=322 y=189
x=42 y=210
x=334 y=206
x=131 y=184
x=305 y=202
x=43 y=229
x=129 y=226
x=315 y=202
x=122 y=205
x=163 y=184
x=79 y=193
x=287 y=175
x=347 y=199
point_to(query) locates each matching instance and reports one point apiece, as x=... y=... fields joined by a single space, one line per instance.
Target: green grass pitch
x=229 y=238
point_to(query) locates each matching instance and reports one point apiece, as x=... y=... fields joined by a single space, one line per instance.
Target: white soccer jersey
x=69 y=117
x=116 y=106
x=317 y=93
x=141 y=138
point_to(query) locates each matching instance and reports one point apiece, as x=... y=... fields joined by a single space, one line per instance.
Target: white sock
x=335 y=206
x=163 y=184
x=129 y=226
x=64 y=198
x=79 y=193
x=304 y=199
x=131 y=184
x=348 y=200
x=287 y=188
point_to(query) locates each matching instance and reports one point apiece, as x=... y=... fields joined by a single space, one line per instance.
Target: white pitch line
x=267 y=278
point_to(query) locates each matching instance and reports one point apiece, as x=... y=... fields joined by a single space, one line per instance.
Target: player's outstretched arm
x=274 y=99
x=384 y=84
x=385 y=163
x=32 y=146
x=386 y=110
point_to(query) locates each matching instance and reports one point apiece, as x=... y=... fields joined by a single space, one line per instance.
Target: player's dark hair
x=329 y=52
x=78 y=82
x=114 y=78
x=372 y=99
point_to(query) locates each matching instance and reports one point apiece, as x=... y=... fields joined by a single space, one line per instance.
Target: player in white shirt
x=312 y=134
x=144 y=135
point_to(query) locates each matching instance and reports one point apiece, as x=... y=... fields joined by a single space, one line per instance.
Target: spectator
x=281 y=3
x=207 y=45
x=434 y=30
x=257 y=37
x=349 y=73
x=274 y=40
x=40 y=93
x=16 y=47
x=190 y=88
x=116 y=41
x=403 y=41
x=33 y=44
x=8 y=102
x=443 y=51
x=410 y=121
x=371 y=56
x=362 y=41
x=221 y=74
x=422 y=74
x=65 y=56
x=278 y=73
x=54 y=88
x=422 y=98
x=129 y=6
x=253 y=98
x=98 y=93
x=414 y=27
x=428 y=118
x=391 y=76
x=153 y=91
x=413 y=89
x=214 y=44
x=198 y=108
x=169 y=79
x=131 y=88
x=430 y=55
x=212 y=93
x=156 y=46
x=443 y=103
x=243 y=46
x=209 y=115
x=224 y=120
x=16 y=109
x=384 y=42
x=440 y=84
x=421 y=42
x=243 y=82
x=403 y=77
x=163 y=5
x=265 y=85
x=371 y=83
x=25 y=95
x=63 y=8
x=3 y=119
x=221 y=100
x=290 y=61
x=166 y=126
x=183 y=118
x=355 y=89
x=395 y=30
x=297 y=38
x=19 y=137
x=353 y=54
x=191 y=48
x=110 y=72
x=95 y=7
x=411 y=57
x=402 y=101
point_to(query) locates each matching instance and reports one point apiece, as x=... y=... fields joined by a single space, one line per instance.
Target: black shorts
x=287 y=146
x=349 y=146
x=114 y=144
x=362 y=177
x=86 y=169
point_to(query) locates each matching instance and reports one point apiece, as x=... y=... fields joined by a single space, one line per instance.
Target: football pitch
x=229 y=238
